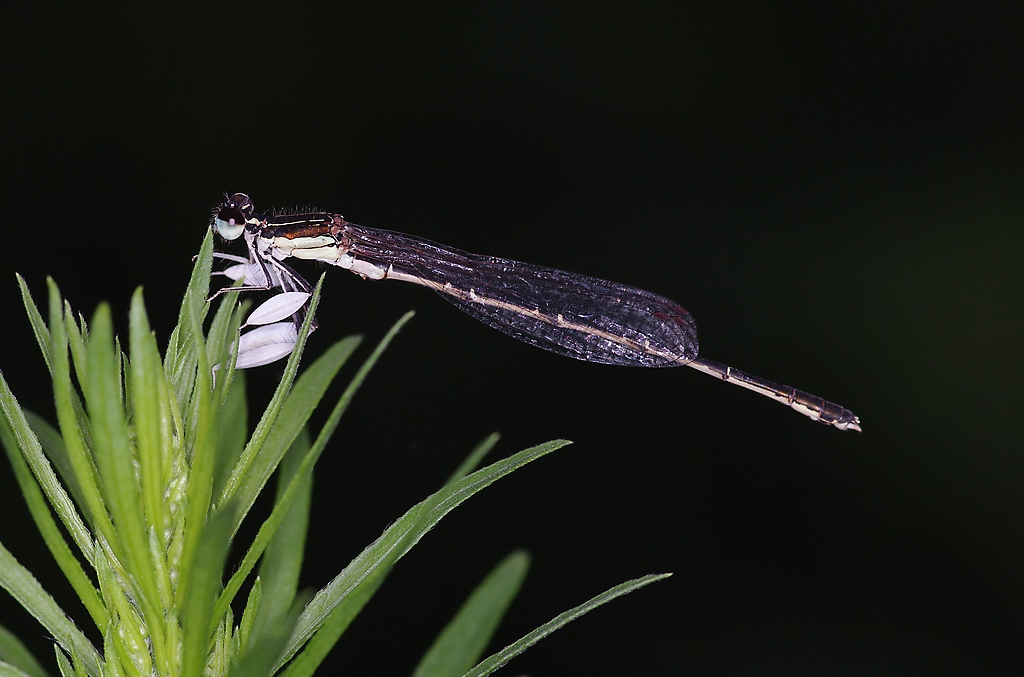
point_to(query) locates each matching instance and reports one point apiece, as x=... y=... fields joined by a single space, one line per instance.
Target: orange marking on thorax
x=306 y=231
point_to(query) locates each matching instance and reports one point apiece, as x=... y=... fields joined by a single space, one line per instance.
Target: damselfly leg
x=270 y=332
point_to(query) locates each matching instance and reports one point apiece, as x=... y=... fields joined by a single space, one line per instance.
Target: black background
x=836 y=200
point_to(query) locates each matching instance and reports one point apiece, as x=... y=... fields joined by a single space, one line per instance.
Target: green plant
x=151 y=471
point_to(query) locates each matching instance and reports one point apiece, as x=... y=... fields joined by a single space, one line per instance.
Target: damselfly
x=574 y=315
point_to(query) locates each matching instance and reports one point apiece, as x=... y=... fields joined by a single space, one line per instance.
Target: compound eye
x=229 y=222
x=241 y=202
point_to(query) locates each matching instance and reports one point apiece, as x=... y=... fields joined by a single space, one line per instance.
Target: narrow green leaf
x=77 y=666
x=112 y=655
x=281 y=507
x=379 y=556
x=473 y=459
x=77 y=335
x=16 y=655
x=51 y=533
x=224 y=359
x=64 y=664
x=499 y=659
x=70 y=416
x=127 y=630
x=252 y=608
x=115 y=461
x=461 y=643
x=220 y=340
x=284 y=502
x=180 y=357
x=159 y=460
x=53 y=445
x=203 y=587
x=262 y=655
x=153 y=435
x=317 y=648
x=203 y=436
x=282 y=562
x=240 y=472
x=23 y=587
x=221 y=654
x=8 y=670
x=232 y=430
x=357 y=380
x=76 y=341
x=32 y=451
x=39 y=329
x=304 y=397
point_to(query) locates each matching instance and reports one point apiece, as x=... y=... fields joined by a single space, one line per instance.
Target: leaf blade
x=368 y=568
x=22 y=586
x=458 y=647
x=495 y=661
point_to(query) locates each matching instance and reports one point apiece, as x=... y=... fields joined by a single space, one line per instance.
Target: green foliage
x=140 y=489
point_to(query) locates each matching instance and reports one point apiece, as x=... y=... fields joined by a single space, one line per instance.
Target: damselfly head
x=230 y=218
